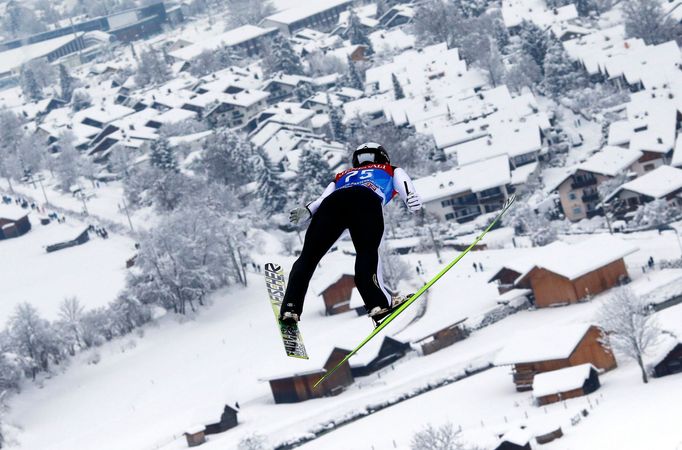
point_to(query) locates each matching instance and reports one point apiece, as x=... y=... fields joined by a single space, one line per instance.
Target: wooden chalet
x=390 y=351
x=444 y=337
x=298 y=387
x=569 y=273
x=14 y=225
x=336 y=292
x=228 y=419
x=562 y=384
x=81 y=239
x=554 y=348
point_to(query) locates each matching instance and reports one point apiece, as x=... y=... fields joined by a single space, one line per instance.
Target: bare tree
x=628 y=326
x=71 y=315
x=254 y=441
x=444 y=437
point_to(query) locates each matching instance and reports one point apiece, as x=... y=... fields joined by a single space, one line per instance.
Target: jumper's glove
x=297 y=214
x=414 y=203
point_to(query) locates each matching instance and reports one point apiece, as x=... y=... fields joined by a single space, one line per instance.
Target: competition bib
x=377 y=177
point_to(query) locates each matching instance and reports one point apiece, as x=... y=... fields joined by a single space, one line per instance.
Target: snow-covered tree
x=20 y=20
x=336 y=121
x=629 y=327
x=271 y=190
x=29 y=85
x=70 y=318
x=280 y=57
x=470 y=8
x=394 y=269
x=314 y=175
x=490 y=59
x=524 y=72
x=646 y=19
x=534 y=42
x=68 y=167
x=561 y=75
x=353 y=76
x=161 y=155
x=356 y=34
x=382 y=8
x=436 y=21
x=80 y=99
x=321 y=64
x=397 y=88
x=210 y=61
x=443 y=437
x=303 y=91
x=654 y=213
x=227 y=158
x=33 y=339
x=526 y=221
x=152 y=68
x=10 y=139
x=247 y=12
x=66 y=83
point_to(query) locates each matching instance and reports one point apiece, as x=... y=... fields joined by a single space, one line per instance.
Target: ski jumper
x=353 y=201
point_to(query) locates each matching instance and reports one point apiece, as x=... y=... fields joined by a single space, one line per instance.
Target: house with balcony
x=578 y=189
x=465 y=192
x=663 y=183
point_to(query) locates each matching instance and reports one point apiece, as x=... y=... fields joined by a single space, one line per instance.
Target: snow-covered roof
x=103 y=113
x=521 y=174
x=16 y=57
x=657 y=184
x=516 y=11
x=517 y=436
x=576 y=260
x=542 y=344
x=339 y=265
x=391 y=40
x=189 y=138
x=474 y=177
x=562 y=380
x=610 y=160
x=228 y=39
x=291 y=15
x=175 y=115
x=12 y=212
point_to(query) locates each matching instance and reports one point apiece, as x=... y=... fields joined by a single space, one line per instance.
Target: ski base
x=291 y=335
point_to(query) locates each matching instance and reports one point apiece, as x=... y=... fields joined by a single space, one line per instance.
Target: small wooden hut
x=195 y=436
x=553 y=348
x=562 y=384
x=228 y=419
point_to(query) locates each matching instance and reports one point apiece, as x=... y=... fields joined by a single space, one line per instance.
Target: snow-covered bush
x=654 y=213
x=255 y=441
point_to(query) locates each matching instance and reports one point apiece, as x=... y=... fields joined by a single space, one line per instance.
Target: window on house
x=449 y=216
x=649 y=167
x=572 y=196
x=577 y=210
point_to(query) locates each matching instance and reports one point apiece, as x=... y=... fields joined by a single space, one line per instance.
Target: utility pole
x=40 y=180
x=125 y=208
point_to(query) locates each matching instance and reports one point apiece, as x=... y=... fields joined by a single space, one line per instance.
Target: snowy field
x=148 y=390
x=30 y=274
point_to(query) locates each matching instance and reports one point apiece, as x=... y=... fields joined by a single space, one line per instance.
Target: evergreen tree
x=382 y=7
x=561 y=75
x=271 y=189
x=65 y=83
x=397 y=88
x=336 y=121
x=524 y=72
x=353 y=77
x=161 y=155
x=314 y=174
x=80 y=99
x=303 y=91
x=29 y=85
x=281 y=57
x=356 y=34
x=534 y=42
x=152 y=68
x=227 y=158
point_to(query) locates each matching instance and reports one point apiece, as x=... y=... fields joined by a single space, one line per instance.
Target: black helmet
x=370 y=153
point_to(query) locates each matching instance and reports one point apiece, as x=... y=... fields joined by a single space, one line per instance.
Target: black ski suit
x=353 y=202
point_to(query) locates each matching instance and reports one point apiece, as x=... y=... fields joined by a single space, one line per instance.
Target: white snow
x=562 y=380
x=658 y=183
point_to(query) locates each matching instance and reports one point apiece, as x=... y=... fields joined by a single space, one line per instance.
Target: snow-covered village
x=340 y=224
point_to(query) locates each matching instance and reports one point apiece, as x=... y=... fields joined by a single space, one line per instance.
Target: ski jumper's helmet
x=370 y=153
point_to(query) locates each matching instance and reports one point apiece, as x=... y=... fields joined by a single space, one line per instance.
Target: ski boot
x=378 y=314
x=287 y=316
